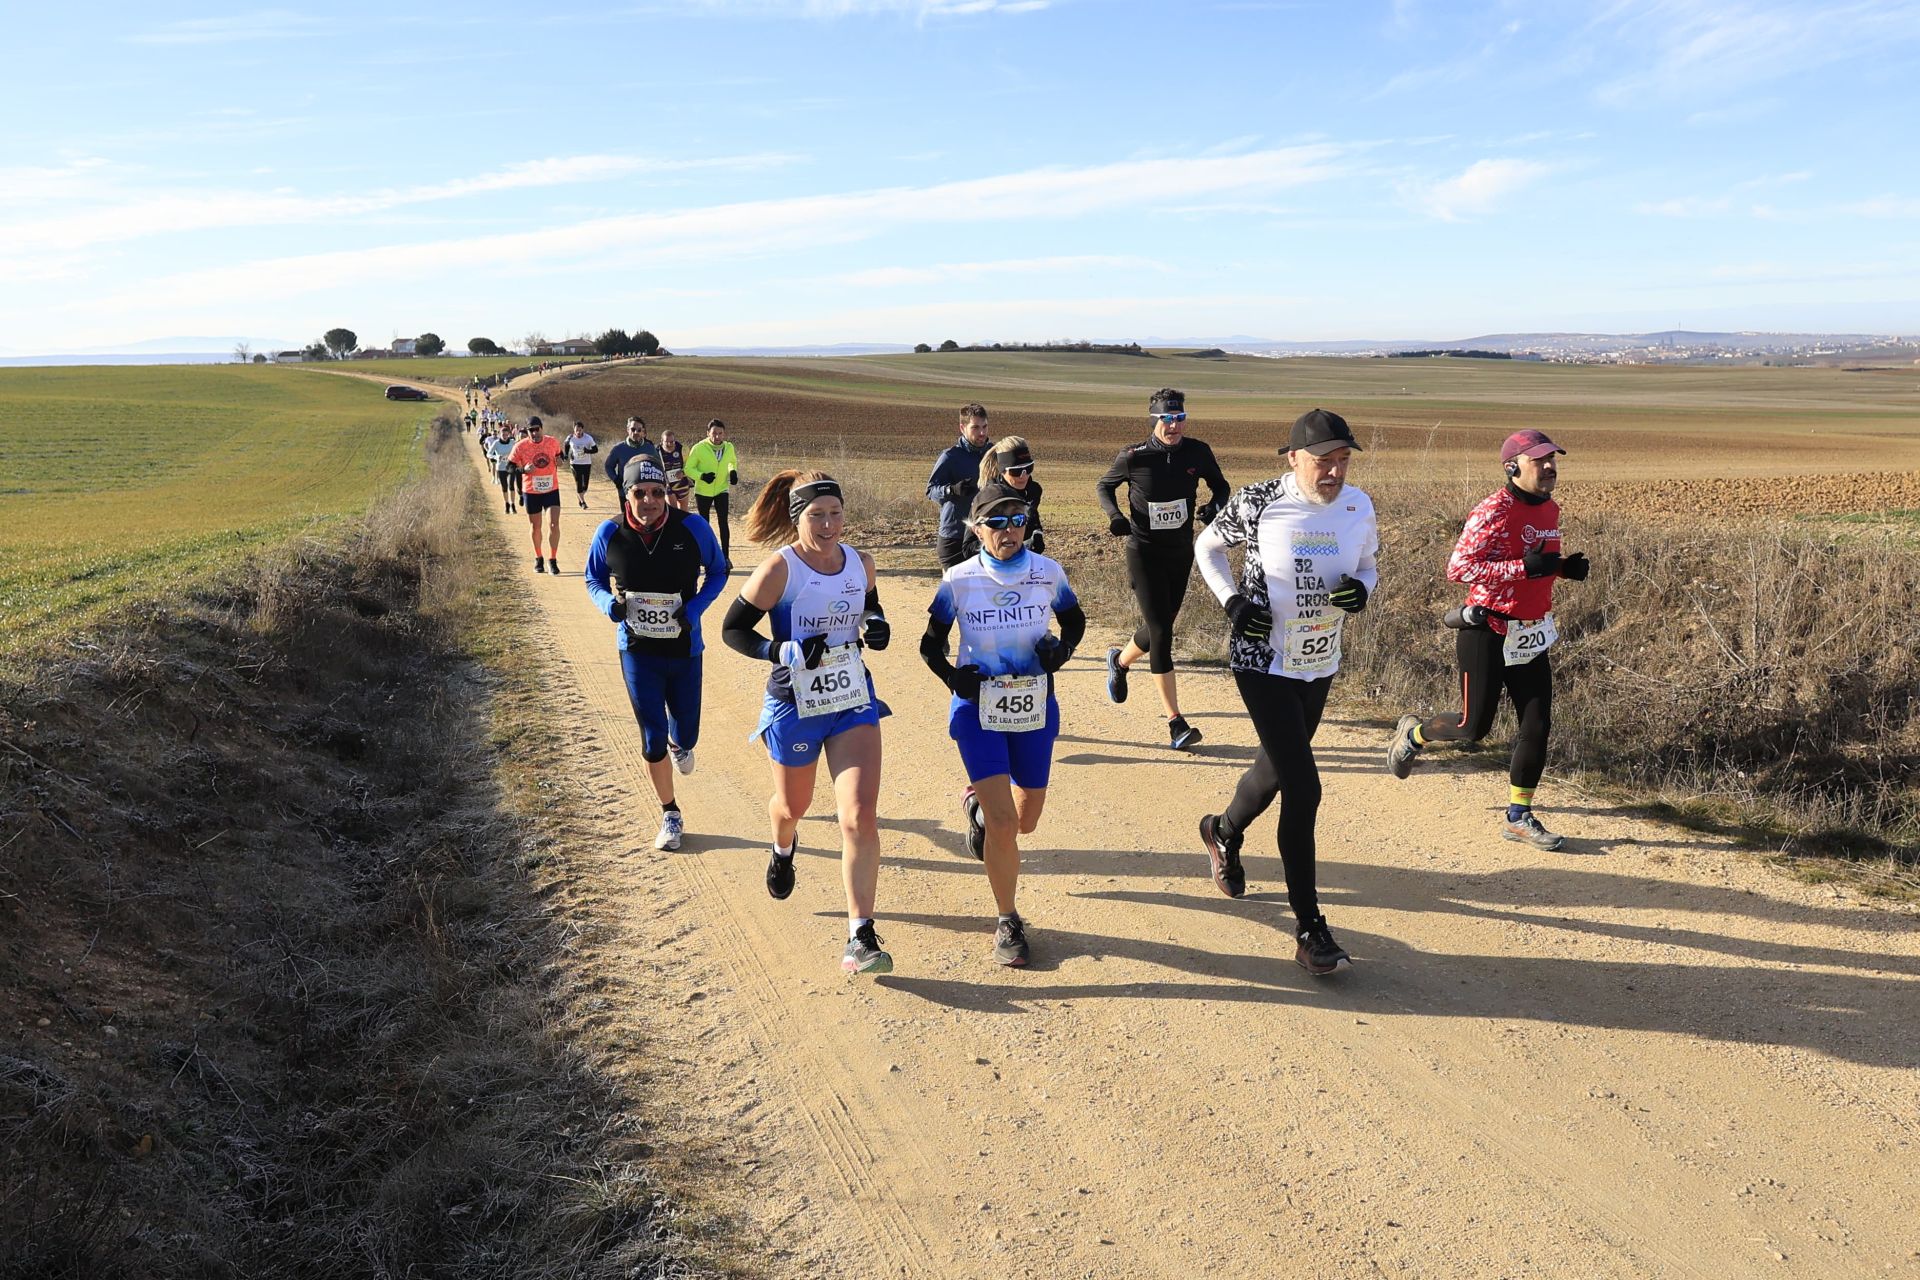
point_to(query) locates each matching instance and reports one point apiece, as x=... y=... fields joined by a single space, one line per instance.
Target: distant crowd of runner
x=1004 y=620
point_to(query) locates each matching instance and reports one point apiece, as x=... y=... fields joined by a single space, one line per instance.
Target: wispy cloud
x=1692 y=49
x=945 y=272
x=1476 y=191
x=758 y=228
x=105 y=211
x=264 y=24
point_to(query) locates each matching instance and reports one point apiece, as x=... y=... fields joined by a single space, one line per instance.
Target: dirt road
x=1647 y=1056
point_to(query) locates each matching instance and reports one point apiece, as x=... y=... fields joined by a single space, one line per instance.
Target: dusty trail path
x=1647 y=1056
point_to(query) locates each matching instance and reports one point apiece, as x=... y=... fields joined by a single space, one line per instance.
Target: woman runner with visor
x=1003 y=715
x=824 y=608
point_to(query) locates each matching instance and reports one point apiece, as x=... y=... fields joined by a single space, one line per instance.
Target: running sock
x=1419 y=737
x=854 y=926
x=671 y=806
x=1519 y=801
x=1007 y=917
x=787 y=852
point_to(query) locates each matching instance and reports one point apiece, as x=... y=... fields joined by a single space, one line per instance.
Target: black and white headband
x=804 y=494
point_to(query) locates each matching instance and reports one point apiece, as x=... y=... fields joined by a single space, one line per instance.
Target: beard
x=1319 y=497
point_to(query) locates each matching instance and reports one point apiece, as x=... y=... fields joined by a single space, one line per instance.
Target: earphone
x=1513 y=470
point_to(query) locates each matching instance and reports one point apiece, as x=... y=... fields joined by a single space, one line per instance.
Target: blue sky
x=771 y=172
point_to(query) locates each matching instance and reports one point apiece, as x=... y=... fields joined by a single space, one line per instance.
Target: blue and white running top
x=816 y=603
x=1002 y=608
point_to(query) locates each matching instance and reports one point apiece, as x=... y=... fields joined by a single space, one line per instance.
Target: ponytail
x=991 y=461
x=768 y=522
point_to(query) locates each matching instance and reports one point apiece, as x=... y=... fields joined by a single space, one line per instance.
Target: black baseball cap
x=1321 y=431
x=993 y=495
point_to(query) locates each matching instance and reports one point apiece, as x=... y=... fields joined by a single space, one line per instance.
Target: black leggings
x=507 y=485
x=715 y=502
x=582 y=472
x=1285 y=712
x=1158 y=574
x=1483 y=672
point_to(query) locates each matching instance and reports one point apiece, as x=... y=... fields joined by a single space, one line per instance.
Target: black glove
x=1575 y=567
x=1349 y=594
x=733 y=477
x=1052 y=654
x=877 y=633
x=1205 y=514
x=965 y=681
x=812 y=649
x=1541 y=564
x=706 y=477
x=1247 y=620
x=962 y=490
x=1119 y=526
x=1037 y=542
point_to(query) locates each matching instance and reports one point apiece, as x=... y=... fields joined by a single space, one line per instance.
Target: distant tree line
x=1451 y=351
x=1065 y=344
x=341 y=344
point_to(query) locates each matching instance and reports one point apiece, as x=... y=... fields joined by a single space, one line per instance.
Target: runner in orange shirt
x=538 y=457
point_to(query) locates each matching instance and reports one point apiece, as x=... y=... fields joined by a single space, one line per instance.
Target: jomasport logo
x=1005 y=599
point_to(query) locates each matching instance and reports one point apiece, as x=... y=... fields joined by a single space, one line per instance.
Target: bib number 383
x=650 y=614
x=1528 y=640
x=1313 y=646
x=839 y=683
x=1013 y=704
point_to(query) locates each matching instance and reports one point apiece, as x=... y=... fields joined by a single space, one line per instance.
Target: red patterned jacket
x=1502 y=529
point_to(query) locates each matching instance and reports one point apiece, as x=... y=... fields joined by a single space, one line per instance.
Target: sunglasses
x=1016 y=521
x=1018 y=471
x=1170 y=417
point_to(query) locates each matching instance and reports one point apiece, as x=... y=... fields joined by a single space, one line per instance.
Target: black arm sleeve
x=872 y=602
x=933 y=649
x=738 y=630
x=1104 y=487
x=1073 y=626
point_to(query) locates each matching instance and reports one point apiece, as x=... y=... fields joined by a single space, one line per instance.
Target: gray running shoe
x=1010 y=943
x=1316 y=951
x=976 y=828
x=682 y=759
x=671 y=827
x=1400 y=755
x=1529 y=831
x=864 y=954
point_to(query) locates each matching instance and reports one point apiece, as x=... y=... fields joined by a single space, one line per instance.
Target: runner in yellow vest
x=714 y=470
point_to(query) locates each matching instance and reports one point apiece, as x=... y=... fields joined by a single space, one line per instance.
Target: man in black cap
x=1309 y=542
x=1162 y=474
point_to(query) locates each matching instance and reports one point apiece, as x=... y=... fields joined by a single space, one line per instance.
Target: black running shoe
x=1116 y=677
x=780 y=873
x=1182 y=736
x=539 y=565
x=1010 y=943
x=1317 y=952
x=553 y=565
x=1224 y=855
x=976 y=829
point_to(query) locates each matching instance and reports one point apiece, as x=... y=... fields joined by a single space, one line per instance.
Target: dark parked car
x=397 y=392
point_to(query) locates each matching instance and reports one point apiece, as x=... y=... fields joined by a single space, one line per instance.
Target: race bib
x=839 y=683
x=1528 y=640
x=1013 y=704
x=539 y=484
x=650 y=614
x=1167 y=515
x=1313 y=646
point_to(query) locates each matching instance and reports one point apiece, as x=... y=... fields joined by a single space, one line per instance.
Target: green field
x=128 y=482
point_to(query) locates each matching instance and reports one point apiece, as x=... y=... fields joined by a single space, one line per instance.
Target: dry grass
x=286 y=1005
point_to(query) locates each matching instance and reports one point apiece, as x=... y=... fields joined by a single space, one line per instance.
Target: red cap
x=1528 y=444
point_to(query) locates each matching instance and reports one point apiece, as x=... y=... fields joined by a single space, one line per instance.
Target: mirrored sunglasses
x=1018 y=471
x=1016 y=521
x=1171 y=417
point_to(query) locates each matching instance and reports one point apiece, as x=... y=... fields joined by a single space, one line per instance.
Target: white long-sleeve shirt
x=1295 y=553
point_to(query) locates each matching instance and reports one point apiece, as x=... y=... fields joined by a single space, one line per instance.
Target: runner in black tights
x=1162 y=474
x=1309 y=544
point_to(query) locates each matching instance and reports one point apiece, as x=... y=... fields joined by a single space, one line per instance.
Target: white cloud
x=266 y=24
x=759 y=228
x=943 y=272
x=1475 y=191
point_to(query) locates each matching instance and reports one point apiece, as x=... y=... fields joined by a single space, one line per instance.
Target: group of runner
x=1308 y=543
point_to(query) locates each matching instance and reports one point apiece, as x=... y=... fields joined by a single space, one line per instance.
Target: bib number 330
x=1013 y=704
x=839 y=683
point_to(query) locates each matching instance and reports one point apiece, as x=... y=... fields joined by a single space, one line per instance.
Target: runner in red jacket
x=1509 y=556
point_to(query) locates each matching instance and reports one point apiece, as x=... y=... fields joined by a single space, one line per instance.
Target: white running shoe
x=671 y=828
x=682 y=759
